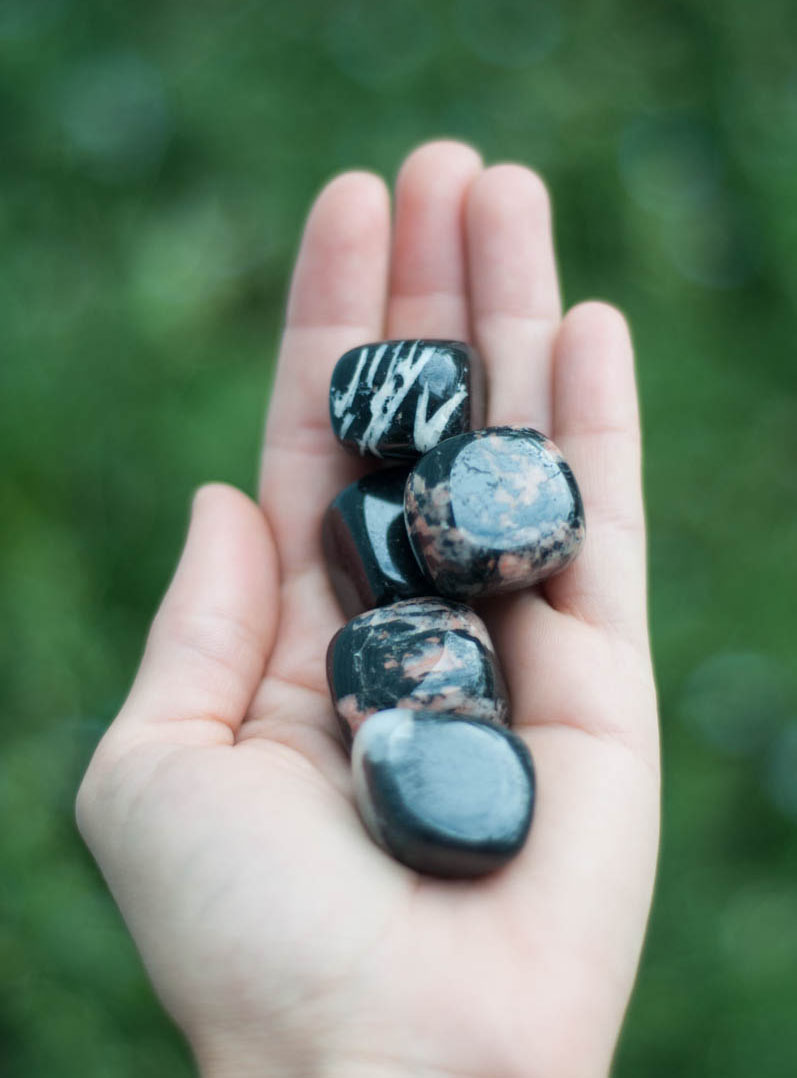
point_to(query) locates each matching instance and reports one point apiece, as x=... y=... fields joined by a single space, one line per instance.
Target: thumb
x=214 y=631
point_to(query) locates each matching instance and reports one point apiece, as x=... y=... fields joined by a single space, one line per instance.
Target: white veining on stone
x=342 y=401
x=369 y=378
x=426 y=432
x=387 y=400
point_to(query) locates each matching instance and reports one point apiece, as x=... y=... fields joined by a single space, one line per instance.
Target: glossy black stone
x=369 y=557
x=400 y=398
x=445 y=796
x=492 y=511
x=429 y=654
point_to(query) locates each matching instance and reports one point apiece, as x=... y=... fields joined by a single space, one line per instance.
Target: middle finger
x=428 y=280
x=514 y=292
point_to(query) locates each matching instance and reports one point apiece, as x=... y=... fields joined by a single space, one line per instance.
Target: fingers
x=596 y=425
x=514 y=292
x=428 y=274
x=214 y=630
x=337 y=301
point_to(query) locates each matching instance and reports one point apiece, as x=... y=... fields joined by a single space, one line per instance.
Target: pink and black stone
x=424 y=654
x=445 y=796
x=492 y=511
x=368 y=554
x=400 y=398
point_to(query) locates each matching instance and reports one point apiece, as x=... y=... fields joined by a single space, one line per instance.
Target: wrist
x=264 y=1067
x=240 y=1064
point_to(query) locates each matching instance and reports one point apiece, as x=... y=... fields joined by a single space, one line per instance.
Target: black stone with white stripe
x=401 y=398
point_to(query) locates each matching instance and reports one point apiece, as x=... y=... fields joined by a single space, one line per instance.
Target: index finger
x=337 y=301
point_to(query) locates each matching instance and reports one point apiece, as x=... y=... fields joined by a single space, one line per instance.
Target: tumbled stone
x=428 y=654
x=400 y=398
x=369 y=557
x=492 y=511
x=445 y=796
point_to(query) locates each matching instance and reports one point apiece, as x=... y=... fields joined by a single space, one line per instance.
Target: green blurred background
x=156 y=162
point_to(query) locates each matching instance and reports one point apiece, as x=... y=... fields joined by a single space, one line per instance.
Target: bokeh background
x=156 y=163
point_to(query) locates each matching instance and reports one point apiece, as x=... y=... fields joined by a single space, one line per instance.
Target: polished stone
x=368 y=554
x=445 y=796
x=492 y=511
x=429 y=654
x=400 y=398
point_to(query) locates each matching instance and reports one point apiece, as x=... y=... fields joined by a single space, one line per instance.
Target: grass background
x=157 y=162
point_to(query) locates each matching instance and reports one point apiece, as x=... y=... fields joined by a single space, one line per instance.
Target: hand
x=218 y=804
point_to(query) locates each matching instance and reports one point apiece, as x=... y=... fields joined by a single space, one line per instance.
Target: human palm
x=219 y=803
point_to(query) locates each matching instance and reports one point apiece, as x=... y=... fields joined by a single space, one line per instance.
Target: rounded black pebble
x=368 y=554
x=428 y=654
x=400 y=398
x=445 y=796
x=492 y=511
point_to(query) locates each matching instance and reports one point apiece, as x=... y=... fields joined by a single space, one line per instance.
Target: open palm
x=219 y=803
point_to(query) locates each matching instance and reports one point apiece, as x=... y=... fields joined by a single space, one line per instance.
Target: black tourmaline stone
x=427 y=654
x=446 y=796
x=492 y=511
x=400 y=398
x=369 y=557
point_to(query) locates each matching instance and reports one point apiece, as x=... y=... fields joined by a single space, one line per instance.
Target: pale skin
x=219 y=806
